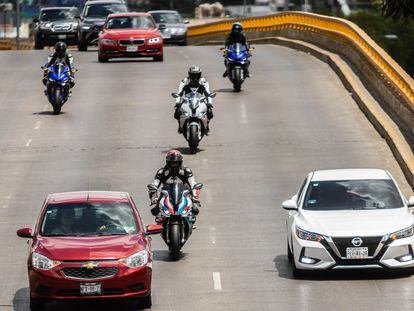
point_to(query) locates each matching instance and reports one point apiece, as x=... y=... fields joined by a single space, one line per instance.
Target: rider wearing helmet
x=236 y=36
x=173 y=168
x=194 y=81
x=61 y=54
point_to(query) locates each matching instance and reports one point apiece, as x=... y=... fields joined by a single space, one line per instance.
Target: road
x=293 y=116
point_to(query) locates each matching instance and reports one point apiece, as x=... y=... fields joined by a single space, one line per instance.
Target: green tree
x=398 y=9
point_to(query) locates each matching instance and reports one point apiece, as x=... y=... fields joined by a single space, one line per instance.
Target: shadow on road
x=183 y=150
x=284 y=269
x=135 y=60
x=227 y=90
x=47 y=113
x=21 y=303
x=164 y=255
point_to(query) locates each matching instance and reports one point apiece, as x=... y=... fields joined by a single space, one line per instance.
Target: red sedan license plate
x=90 y=288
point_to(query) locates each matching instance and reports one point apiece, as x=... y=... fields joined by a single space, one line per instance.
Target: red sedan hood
x=128 y=33
x=90 y=248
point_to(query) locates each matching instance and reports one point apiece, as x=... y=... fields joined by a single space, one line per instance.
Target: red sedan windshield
x=130 y=22
x=88 y=219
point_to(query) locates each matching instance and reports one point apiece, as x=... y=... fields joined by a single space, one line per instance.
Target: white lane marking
x=28 y=142
x=243 y=113
x=5 y=205
x=186 y=56
x=181 y=51
x=216 y=281
x=37 y=125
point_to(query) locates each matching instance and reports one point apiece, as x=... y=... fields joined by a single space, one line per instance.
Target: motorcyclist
x=236 y=36
x=194 y=80
x=173 y=168
x=60 y=54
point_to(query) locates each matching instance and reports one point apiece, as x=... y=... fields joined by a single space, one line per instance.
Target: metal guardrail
x=332 y=27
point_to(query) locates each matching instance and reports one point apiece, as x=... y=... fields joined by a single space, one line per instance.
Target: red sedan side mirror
x=154 y=229
x=24 y=233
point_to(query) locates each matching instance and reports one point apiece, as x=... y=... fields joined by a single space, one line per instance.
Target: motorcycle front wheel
x=57 y=100
x=237 y=80
x=175 y=242
x=193 y=139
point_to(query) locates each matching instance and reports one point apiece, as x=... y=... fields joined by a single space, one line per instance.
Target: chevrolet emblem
x=90 y=265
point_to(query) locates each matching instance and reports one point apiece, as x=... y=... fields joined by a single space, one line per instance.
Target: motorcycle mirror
x=212 y=95
x=175 y=95
x=223 y=49
x=198 y=186
x=251 y=48
x=154 y=229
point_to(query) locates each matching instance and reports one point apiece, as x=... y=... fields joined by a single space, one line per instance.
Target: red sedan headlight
x=154 y=40
x=138 y=259
x=109 y=41
x=42 y=262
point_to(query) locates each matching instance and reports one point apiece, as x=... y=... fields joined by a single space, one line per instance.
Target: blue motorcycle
x=57 y=84
x=236 y=60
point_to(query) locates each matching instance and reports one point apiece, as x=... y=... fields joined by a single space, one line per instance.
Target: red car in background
x=130 y=35
x=89 y=246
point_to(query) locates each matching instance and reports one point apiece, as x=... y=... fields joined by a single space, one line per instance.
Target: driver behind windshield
x=65 y=218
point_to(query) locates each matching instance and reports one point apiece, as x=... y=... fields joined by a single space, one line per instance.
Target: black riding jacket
x=235 y=37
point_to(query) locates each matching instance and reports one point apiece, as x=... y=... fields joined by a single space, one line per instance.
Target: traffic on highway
x=112 y=119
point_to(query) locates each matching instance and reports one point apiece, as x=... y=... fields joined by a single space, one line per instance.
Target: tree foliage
x=398 y=9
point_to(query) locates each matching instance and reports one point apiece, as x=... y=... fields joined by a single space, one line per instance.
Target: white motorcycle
x=193 y=118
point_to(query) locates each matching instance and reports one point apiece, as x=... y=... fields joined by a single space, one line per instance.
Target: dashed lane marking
x=216 y=281
x=37 y=125
x=28 y=142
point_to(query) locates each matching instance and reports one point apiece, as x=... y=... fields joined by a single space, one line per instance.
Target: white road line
x=5 y=205
x=186 y=56
x=37 y=125
x=243 y=113
x=213 y=236
x=216 y=281
x=28 y=142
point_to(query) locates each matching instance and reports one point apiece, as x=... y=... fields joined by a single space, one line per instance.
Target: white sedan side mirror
x=410 y=202
x=290 y=205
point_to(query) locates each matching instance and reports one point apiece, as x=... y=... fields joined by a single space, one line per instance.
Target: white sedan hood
x=344 y=223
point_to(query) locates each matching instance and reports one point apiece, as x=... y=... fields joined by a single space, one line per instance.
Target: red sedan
x=130 y=35
x=88 y=246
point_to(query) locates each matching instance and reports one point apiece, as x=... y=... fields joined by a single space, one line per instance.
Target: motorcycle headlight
x=136 y=260
x=109 y=41
x=154 y=40
x=46 y=26
x=186 y=114
x=308 y=236
x=42 y=262
x=74 y=25
x=201 y=114
x=405 y=233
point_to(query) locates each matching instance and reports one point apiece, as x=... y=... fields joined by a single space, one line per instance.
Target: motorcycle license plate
x=132 y=48
x=356 y=252
x=61 y=36
x=88 y=289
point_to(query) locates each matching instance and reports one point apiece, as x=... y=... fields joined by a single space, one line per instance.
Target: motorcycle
x=57 y=85
x=236 y=59
x=193 y=118
x=176 y=217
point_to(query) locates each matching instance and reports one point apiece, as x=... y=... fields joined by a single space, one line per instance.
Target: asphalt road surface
x=293 y=116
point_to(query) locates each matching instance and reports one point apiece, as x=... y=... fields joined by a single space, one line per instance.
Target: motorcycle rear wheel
x=193 y=140
x=175 y=242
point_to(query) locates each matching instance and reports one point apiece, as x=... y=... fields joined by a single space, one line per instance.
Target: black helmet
x=60 y=48
x=174 y=159
x=237 y=27
x=194 y=73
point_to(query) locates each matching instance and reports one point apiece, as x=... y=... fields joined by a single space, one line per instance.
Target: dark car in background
x=92 y=19
x=171 y=25
x=55 y=24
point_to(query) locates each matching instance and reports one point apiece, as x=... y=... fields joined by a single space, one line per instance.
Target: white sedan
x=349 y=219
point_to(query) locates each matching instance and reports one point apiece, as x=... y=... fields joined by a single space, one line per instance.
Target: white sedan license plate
x=132 y=48
x=356 y=252
x=90 y=288
x=62 y=36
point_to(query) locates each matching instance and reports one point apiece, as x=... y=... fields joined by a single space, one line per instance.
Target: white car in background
x=349 y=219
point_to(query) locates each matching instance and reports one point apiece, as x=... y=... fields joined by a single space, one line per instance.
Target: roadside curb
x=382 y=122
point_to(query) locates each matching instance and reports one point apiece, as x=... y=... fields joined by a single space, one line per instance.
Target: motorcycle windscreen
x=175 y=191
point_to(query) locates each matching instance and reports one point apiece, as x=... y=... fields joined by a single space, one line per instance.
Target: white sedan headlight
x=154 y=40
x=86 y=27
x=308 y=236
x=108 y=41
x=405 y=233
x=42 y=262
x=136 y=260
